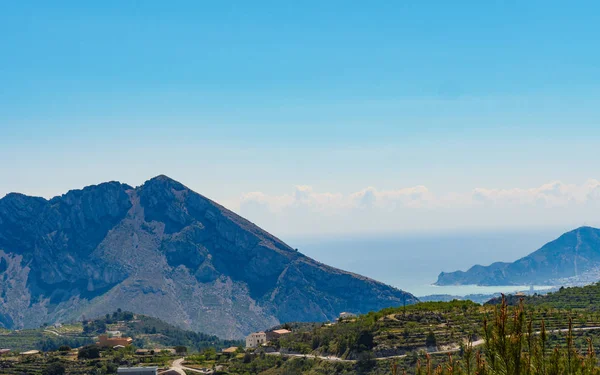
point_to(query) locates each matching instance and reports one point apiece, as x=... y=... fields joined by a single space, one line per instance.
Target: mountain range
x=163 y=250
x=573 y=258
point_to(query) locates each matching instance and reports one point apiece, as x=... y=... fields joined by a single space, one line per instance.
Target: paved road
x=179 y=367
x=453 y=350
x=326 y=358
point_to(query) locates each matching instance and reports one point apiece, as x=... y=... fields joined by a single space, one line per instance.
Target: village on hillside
x=113 y=343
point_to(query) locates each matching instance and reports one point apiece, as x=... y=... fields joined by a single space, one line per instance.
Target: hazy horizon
x=412 y=262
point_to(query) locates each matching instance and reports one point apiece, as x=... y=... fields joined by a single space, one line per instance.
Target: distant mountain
x=571 y=257
x=165 y=251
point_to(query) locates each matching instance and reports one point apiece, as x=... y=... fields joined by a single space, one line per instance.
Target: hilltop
x=574 y=257
x=586 y=298
x=162 y=250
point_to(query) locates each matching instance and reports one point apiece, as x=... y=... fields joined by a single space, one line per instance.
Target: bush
x=366 y=362
x=430 y=341
x=89 y=352
x=54 y=369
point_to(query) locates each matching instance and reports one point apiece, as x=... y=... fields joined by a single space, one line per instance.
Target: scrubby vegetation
x=89 y=360
x=512 y=346
x=390 y=331
x=146 y=331
x=432 y=326
x=586 y=298
x=514 y=341
x=149 y=332
x=41 y=339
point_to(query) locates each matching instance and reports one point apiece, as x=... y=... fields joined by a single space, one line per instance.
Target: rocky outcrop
x=571 y=255
x=163 y=250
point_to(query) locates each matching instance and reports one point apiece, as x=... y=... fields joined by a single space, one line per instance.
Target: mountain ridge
x=571 y=256
x=163 y=250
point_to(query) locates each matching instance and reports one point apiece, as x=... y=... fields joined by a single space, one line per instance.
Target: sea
x=413 y=262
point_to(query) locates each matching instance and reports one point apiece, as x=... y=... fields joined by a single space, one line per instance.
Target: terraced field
x=21 y=340
x=439 y=325
x=35 y=365
x=42 y=339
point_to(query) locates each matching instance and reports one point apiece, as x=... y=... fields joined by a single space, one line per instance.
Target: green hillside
x=586 y=298
x=550 y=335
x=147 y=332
x=397 y=331
x=443 y=338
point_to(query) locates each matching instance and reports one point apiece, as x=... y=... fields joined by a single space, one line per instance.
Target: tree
x=365 y=341
x=54 y=369
x=89 y=352
x=64 y=348
x=180 y=349
x=430 y=340
x=366 y=361
x=127 y=316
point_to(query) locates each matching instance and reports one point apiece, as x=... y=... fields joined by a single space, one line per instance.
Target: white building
x=346 y=315
x=256 y=339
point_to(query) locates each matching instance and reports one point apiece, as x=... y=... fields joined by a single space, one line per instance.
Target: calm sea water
x=412 y=263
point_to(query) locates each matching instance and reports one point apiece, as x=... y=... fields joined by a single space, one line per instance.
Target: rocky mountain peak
x=163 y=250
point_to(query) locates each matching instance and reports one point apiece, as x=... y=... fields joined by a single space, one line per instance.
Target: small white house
x=256 y=339
x=346 y=315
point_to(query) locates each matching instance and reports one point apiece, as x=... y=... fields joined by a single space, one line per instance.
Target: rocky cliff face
x=572 y=255
x=163 y=250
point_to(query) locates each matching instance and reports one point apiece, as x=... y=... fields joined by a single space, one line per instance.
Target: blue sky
x=284 y=110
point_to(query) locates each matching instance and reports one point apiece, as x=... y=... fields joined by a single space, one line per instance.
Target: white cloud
x=307 y=210
x=552 y=194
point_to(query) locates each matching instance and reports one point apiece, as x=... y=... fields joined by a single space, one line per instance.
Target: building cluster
x=257 y=339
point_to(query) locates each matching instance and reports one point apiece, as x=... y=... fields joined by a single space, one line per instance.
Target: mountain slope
x=163 y=250
x=575 y=254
